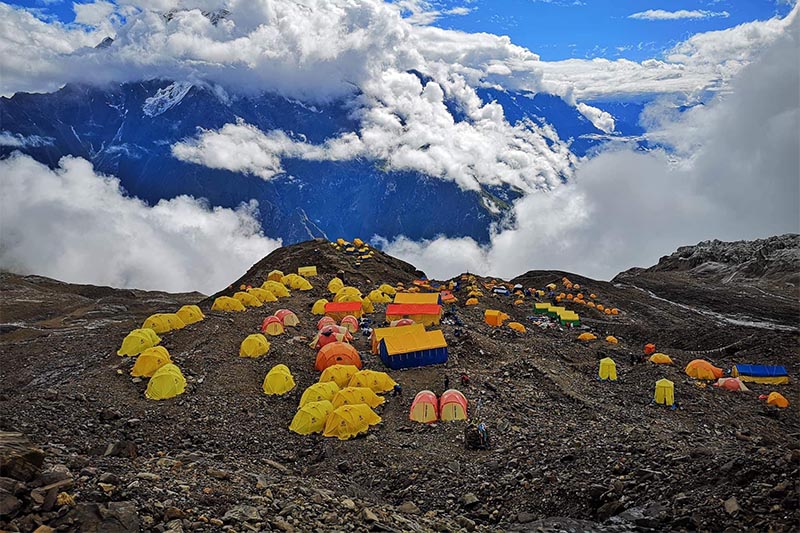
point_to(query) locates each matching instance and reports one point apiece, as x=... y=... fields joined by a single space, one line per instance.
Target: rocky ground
x=569 y=453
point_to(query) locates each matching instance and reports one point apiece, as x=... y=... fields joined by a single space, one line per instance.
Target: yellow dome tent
x=661 y=359
x=387 y=289
x=366 y=306
x=226 y=303
x=339 y=374
x=163 y=322
x=608 y=369
x=587 y=337
x=355 y=396
x=612 y=339
x=262 y=294
x=471 y=301
x=277 y=289
x=247 y=299
x=278 y=381
x=319 y=307
x=190 y=314
x=149 y=361
x=347 y=294
x=494 y=317
x=304 y=285
x=318 y=392
x=358 y=242
x=516 y=326
x=138 y=341
x=167 y=382
x=335 y=285
x=254 y=345
x=665 y=392
x=348 y=421
x=377 y=381
x=777 y=399
x=275 y=275
x=311 y=417
x=378 y=297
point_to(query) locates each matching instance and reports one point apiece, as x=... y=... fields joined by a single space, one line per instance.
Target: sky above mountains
x=728 y=166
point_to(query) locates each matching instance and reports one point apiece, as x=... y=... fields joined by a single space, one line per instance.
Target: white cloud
x=602 y=120
x=94 y=13
x=407 y=125
x=17 y=140
x=77 y=226
x=735 y=177
x=695 y=14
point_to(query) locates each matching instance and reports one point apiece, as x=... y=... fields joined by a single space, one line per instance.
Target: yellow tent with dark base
x=149 y=361
x=311 y=417
x=319 y=391
x=167 y=382
x=661 y=359
x=608 y=369
x=278 y=381
x=138 y=341
x=276 y=288
x=190 y=314
x=377 y=381
x=339 y=374
x=226 y=303
x=263 y=295
x=355 y=396
x=319 y=307
x=665 y=392
x=163 y=322
x=254 y=345
x=247 y=299
x=348 y=421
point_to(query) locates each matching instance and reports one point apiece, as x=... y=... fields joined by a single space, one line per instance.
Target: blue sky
x=562 y=29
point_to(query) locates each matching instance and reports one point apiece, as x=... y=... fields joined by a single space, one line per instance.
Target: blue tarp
x=761 y=371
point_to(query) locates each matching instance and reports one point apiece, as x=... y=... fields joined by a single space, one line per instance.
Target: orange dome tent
x=453 y=405
x=424 y=408
x=272 y=326
x=337 y=353
x=287 y=317
x=777 y=399
x=587 y=337
x=702 y=369
x=661 y=359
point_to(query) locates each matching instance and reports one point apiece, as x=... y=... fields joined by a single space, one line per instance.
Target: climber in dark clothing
x=447 y=383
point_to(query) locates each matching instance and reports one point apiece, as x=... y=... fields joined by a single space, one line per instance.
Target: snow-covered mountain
x=129 y=131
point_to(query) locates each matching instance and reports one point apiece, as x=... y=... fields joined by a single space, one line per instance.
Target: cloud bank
x=75 y=225
x=626 y=208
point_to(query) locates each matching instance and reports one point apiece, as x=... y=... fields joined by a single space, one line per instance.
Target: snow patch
x=166 y=98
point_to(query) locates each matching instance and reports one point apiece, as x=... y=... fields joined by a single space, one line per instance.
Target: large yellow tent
x=190 y=314
x=348 y=421
x=163 y=322
x=319 y=307
x=378 y=334
x=319 y=391
x=149 y=361
x=226 y=303
x=661 y=359
x=167 y=382
x=665 y=392
x=254 y=345
x=262 y=294
x=355 y=396
x=377 y=381
x=311 y=417
x=276 y=288
x=335 y=285
x=247 y=299
x=138 y=341
x=608 y=369
x=339 y=374
x=278 y=381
